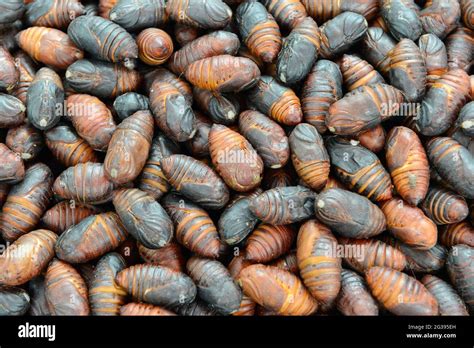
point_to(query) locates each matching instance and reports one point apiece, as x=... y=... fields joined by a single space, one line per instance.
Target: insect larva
x=155 y=46
x=143 y=309
x=318 y=263
x=349 y=214
x=369 y=253
x=320 y=90
x=267 y=137
x=53 y=13
x=223 y=73
x=143 y=217
x=84 y=183
x=435 y=56
x=449 y=301
x=299 y=52
x=9 y=73
x=438 y=180
x=283 y=205
x=92 y=237
x=128 y=148
x=363 y=109
x=357 y=72
x=337 y=35
x=223 y=109
x=354 y=297
x=460 y=45
x=309 y=156
x=26 y=258
x=276 y=101
x=164 y=75
x=408 y=164
x=465 y=120
x=169 y=256
x=267 y=242
x=105 y=296
x=194 y=228
x=214 y=44
x=376 y=45
x=460 y=265
x=196 y=181
x=25 y=140
x=442 y=102
x=26 y=202
x=237 y=221
x=259 y=30
x=200 y=13
x=402 y=18
x=172 y=113
x=127 y=104
x=12 y=111
x=185 y=34
x=152 y=179
x=440 y=17
x=67 y=147
x=102 y=79
x=235 y=159
x=66 y=291
x=407 y=70
x=444 y=206
x=324 y=10
x=13 y=168
x=215 y=284
x=49 y=46
x=37 y=291
x=373 y=139
x=66 y=214
x=359 y=168
x=139 y=14
x=467 y=12
x=454 y=163
x=157 y=285
x=409 y=224
x=103 y=39
x=92 y=120
x=288 y=13
x=13 y=301
x=400 y=293
x=11 y=10
x=43 y=97
x=458 y=233
x=424 y=261
x=277 y=290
